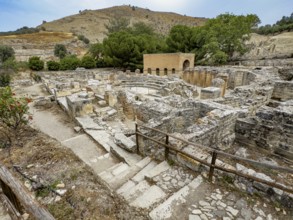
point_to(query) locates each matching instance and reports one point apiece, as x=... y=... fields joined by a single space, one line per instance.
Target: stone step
x=136 y=191
x=151 y=196
x=107 y=174
x=127 y=174
x=164 y=210
x=140 y=175
x=163 y=166
x=122 y=154
x=126 y=187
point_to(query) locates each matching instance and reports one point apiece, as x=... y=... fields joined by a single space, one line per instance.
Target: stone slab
x=151 y=196
x=126 y=143
x=157 y=170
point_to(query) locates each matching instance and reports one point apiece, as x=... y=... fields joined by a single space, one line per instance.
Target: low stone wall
x=283 y=90
x=270 y=128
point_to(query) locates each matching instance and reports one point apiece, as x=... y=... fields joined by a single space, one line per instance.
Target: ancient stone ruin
x=234 y=110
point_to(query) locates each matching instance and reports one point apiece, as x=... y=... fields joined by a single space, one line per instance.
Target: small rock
x=28 y=185
x=30 y=166
x=57 y=199
x=194 y=217
x=73 y=187
x=219 y=196
x=259 y=211
x=203 y=203
x=204 y=217
x=259 y=218
x=234 y=212
x=226 y=218
x=88 y=200
x=25 y=216
x=61 y=191
x=196 y=212
x=284 y=212
x=269 y=217
x=277 y=209
x=60 y=185
x=77 y=129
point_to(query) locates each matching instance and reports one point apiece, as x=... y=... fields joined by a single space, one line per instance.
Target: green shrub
x=60 y=51
x=84 y=39
x=6 y=52
x=53 y=65
x=12 y=64
x=35 y=63
x=5 y=78
x=69 y=63
x=88 y=62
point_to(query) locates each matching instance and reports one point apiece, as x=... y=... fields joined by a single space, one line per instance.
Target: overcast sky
x=18 y=13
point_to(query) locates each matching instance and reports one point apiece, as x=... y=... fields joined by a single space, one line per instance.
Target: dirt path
x=55 y=123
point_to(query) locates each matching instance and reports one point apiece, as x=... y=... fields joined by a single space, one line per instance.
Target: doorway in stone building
x=186 y=64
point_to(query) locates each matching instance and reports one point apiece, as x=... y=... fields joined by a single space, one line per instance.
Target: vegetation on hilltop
x=23 y=30
x=284 y=24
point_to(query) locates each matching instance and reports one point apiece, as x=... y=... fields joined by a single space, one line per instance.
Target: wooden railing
x=214 y=153
x=18 y=197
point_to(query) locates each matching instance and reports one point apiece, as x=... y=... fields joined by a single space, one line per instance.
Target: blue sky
x=18 y=13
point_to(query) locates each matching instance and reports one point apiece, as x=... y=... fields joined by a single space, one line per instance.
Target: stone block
x=210 y=93
x=102 y=103
x=125 y=142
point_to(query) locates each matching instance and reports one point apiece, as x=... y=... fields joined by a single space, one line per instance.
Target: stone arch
x=173 y=71
x=186 y=64
x=165 y=71
x=158 y=71
x=149 y=71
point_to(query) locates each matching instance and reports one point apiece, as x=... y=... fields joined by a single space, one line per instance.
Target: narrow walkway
x=55 y=123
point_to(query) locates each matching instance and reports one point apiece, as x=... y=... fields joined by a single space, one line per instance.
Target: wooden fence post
x=136 y=137
x=166 y=148
x=212 y=166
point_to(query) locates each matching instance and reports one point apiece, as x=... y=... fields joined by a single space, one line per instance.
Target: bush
x=12 y=64
x=84 y=39
x=69 y=63
x=88 y=62
x=6 y=52
x=5 y=78
x=35 y=63
x=53 y=65
x=60 y=51
x=13 y=113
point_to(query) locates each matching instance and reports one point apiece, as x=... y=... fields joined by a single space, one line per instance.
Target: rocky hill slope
x=270 y=47
x=91 y=23
x=42 y=44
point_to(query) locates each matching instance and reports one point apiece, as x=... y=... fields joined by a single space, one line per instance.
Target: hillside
x=91 y=23
x=42 y=44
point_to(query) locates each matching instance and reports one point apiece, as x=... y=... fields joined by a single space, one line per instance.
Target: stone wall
x=283 y=90
x=271 y=129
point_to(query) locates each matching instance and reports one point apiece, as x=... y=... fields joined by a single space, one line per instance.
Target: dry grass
x=41 y=37
x=45 y=160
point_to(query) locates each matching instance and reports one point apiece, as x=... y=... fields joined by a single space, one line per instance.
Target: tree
x=69 y=63
x=179 y=39
x=60 y=51
x=13 y=113
x=88 y=62
x=123 y=49
x=117 y=24
x=6 y=52
x=53 y=65
x=216 y=41
x=96 y=50
x=142 y=28
x=35 y=63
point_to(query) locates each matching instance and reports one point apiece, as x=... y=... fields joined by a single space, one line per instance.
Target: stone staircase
x=151 y=185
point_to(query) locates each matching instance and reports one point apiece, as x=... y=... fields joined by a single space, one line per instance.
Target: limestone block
x=210 y=93
x=125 y=142
x=102 y=103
